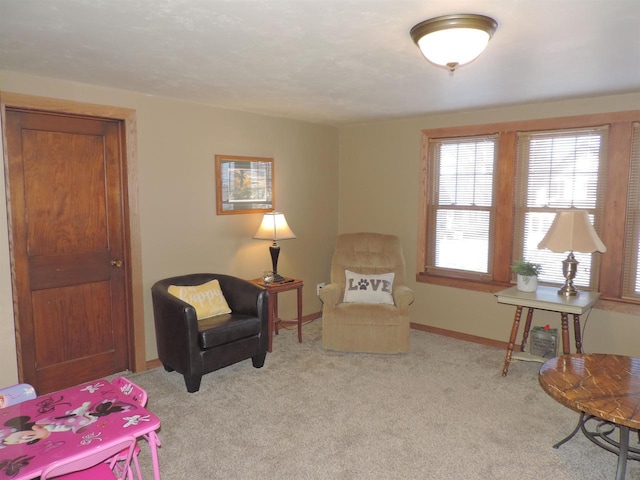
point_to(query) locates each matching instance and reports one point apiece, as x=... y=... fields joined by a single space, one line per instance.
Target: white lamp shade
x=274 y=227
x=572 y=231
x=453 y=46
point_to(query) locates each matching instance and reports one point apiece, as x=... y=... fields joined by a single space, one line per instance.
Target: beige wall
x=379 y=174
x=8 y=365
x=180 y=231
x=376 y=184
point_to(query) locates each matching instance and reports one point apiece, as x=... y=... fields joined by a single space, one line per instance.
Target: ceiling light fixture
x=453 y=40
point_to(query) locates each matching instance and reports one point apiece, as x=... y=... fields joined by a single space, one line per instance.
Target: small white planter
x=527 y=283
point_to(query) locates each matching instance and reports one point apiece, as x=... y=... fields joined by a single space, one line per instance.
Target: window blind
x=461 y=203
x=556 y=170
x=631 y=267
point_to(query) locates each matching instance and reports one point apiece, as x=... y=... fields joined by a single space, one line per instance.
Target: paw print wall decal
x=363 y=284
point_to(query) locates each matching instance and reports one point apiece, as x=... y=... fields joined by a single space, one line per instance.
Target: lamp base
x=568 y=291
x=569 y=270
x=277 y=278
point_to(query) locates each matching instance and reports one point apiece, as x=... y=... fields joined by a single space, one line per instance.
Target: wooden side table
x=545 y=298
x=274 y=289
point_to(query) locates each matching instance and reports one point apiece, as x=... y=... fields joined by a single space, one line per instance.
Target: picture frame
x=244 y=184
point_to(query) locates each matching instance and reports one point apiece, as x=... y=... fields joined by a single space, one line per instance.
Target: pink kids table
x=37 y=432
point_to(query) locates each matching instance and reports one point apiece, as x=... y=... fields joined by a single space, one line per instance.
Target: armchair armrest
x=402 y=296
x=331 y=294
x=241 y=295
x=176 y=329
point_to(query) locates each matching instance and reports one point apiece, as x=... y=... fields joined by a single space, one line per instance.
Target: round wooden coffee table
x=605 y=390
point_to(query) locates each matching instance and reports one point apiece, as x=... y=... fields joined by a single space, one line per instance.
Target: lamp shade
x=453 y=40
x=572 y=231
x=274 y=227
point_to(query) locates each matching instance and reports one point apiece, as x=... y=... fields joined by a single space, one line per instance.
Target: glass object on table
x=268 y=277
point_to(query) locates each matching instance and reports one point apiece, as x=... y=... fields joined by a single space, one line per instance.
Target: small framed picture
x=244 y=184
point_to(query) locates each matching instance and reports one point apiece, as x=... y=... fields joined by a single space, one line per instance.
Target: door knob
x=116 y=263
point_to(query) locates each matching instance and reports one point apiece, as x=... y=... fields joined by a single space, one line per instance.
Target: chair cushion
x=368 y=288
x=368 y=314
x=227 y=328
x=207 y=298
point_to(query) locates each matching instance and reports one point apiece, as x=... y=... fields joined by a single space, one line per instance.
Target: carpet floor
x=443 y=411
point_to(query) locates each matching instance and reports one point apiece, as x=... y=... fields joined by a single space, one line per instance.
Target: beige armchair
x=366 y=327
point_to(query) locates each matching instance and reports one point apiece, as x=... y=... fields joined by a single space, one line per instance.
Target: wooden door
x=69 y=248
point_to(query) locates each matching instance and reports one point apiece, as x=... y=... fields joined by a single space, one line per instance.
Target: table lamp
x=274 y=227
x=571 y=231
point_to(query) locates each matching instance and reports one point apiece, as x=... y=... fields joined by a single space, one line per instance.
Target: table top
x=547 y=298
x=607 y=386
x=38 y=432
x=276 y=287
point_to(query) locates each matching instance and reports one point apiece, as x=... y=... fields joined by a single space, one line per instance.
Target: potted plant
x=527 y=274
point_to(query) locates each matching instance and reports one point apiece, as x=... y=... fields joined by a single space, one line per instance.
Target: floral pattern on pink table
x=37 y=432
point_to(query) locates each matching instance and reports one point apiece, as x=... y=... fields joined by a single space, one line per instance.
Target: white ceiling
x=337 y=62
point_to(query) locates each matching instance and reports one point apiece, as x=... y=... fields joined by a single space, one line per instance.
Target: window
x=631 y=286
x=560 y=169
x=489 y=194
x=462 y=203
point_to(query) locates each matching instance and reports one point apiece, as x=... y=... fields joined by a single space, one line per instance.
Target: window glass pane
x=466 y=171
x=462 y=240
x=563 y=171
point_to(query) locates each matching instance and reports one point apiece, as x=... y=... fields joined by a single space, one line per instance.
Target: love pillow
x=368 y=288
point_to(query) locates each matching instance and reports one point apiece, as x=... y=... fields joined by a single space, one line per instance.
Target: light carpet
x=443 y=411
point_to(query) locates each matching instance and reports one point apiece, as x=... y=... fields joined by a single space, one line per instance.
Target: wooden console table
x=605 y=389
x=545 y=298
x=274 y=289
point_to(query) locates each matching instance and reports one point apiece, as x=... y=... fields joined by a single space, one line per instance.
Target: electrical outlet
x=319 y=287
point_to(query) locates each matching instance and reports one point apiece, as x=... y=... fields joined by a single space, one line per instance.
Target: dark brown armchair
x=195 y=347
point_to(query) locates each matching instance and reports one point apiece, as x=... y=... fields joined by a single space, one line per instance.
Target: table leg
x=623 y=453
x=577 y=333
x=527 y=327
x=512 y=340
x=300 y=315
x=566 y=347
x=271 y=315
x=572 y=434
x=276 y=320
x=154 y=443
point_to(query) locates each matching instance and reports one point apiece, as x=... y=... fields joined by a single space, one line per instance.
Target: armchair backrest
x=367 y=253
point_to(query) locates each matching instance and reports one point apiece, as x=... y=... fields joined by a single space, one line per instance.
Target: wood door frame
x=136 y=341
